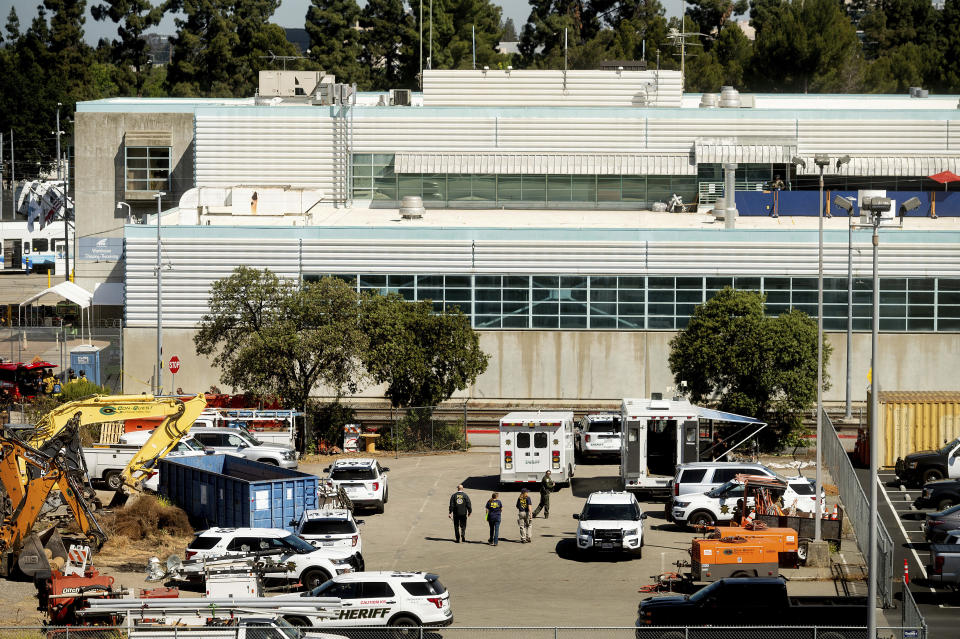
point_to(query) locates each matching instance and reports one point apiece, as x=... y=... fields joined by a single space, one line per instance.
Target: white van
x=533 y=442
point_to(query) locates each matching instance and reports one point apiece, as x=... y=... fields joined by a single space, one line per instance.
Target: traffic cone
x=749 y=519
x=835 y=513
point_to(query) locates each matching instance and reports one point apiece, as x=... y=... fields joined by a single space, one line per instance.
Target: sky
x=290 y=14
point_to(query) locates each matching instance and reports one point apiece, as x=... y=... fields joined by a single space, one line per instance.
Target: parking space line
x=906 y=537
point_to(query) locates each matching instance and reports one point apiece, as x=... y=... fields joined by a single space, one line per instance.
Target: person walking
x=460 y=509
x=523 y=515
x=494 y=511
x=546 y=487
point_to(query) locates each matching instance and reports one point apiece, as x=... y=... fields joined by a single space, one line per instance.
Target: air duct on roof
x=709 y=100
x=729 y=98
x=411 y=207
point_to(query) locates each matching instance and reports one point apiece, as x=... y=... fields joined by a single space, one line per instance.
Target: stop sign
x=174 y=364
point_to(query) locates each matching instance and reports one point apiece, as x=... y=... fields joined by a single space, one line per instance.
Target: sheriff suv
x=363 y=480
x=381 y=598
x=310 y=566
x=598 y=435
x=330 y=528
x=611 y=521
x=717 y=505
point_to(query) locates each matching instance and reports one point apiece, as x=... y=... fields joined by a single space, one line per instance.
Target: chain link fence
x=857 y=509
x=425 y=428
x=223 y=632
x=54 y=345
x=910 y=614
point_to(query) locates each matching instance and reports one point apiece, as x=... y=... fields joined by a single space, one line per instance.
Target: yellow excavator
x=51 y=457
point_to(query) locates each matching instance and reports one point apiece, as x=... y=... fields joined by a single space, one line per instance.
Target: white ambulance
x=533 y=442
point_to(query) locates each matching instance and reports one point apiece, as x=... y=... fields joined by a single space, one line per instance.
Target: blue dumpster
x=232 y=492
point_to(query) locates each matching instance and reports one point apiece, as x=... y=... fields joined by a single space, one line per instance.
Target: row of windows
x=665 y=302
x=374 y=178
x=147 y=168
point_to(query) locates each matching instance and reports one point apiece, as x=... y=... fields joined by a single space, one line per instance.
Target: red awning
x=945 y=176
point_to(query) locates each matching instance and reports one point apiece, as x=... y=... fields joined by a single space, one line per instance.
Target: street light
x=63 y=193
x=875 y=207
x=159 y=195
x=120 y=205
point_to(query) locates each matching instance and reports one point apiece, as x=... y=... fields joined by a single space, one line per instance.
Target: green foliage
x=453 y=24
x=133 y=18
x=389 y=45
x=79 y=388
x=418 y=430
x=712 y=15
x=335 y=44
x=749 y=363
x=278 y=337
x=422 y=357
x=329 y=420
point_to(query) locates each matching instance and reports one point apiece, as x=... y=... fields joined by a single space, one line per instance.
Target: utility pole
x=159 y=195
x=63 y=203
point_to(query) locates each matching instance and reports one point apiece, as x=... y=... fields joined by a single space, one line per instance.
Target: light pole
x=875 y=207
x=63 y=193
x=120 y=206
x=156 y=391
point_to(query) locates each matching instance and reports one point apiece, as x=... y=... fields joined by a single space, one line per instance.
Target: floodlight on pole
x=120 y=206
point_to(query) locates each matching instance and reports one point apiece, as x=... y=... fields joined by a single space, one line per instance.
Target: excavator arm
x=162 y=441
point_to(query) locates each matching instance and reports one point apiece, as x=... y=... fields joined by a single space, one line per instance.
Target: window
x=235 y=440
x=328 y=527
x=373 y=589
x=693 y=475
x=348 y=474
x=247 y=544
x=430 y=587
x=523 y=440
x=335 y=589
x=540 y=440
x=147 y=168
x=41 y=245
x=203 y=543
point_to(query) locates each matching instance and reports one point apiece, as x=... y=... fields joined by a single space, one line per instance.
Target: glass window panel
x=890 y=324
x=385 y=188
x=430 y=293
x=719 y=283
x=362 y=183
x=136 y=151
x=660 y=283
x=630 y=322
x=399 y=280
x=458 y=187
x=630 y=296
x=833 y=324
x=690 y=283
x=690 y=296
x=685 y=186
x=546 y=281
x=948 y=298
x=384 y=171
x=487 y=308
x=608 y=188
x=373 y=281
x=893 y=284
x=487 y=295
x=458 y=281
x=534 y=188
x=485 y=187
x=515 y=295
x=634 y=188
x=659 y=322
x=747 y=283
x=888 y=297
x=569 y=308
x=948 y=284
x=512 y=308
x=834 y=310
x=573 y=294
x=685 y=310
x=603 y=322
x=919 y=311
x=661 y=296
x=776 y=284
x=516 y=281
x=778 y=297
x=631 y=282
x=573 y=281
x=488 y=281
x=463 y=306
x=558 y=188
x=835 y=284
x=805 y=284
x=430 y=280
x=660 y=309
x=603 y=309
x=486 y=321
x=603 y=295
x=809 y=309
x=410 y=185
x=834 y=297
x=573 y=321
x=362 y=158
x=362 y=171
x=659 y=189
x=921 y=298
x=948 y=311
x=584 y=188
x=603 y=282
x=546 y=308
x=631 y=309
x=407 y=293
x=804 y=297
x=919 y=324
x=926 y=284
x=516 y=321
x=862 y=298
x=948 y=324
x=381 y=158
x=434 y=188
x=541 y=294
x=508 y=188
x=893 y=310
x=545 y=321
x=457 y=294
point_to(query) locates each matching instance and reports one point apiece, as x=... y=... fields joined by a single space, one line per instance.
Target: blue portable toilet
x=86 y=358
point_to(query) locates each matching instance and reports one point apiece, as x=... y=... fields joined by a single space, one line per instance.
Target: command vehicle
x=753 y=602
x=533 y=442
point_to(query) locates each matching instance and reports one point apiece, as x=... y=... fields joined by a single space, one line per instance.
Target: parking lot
x=542 y=583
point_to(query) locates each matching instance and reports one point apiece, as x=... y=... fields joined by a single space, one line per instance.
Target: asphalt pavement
x=940 y=608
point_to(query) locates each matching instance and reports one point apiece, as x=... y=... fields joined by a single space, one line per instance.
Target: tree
x=723 y=64
x=749 y=363
x=456 y=23
x=711 y=15
x=950 y=44
x=509 y=30
x=279 y=337
x=423 y=357
x=133 y=18
x=389 y=45
x=335 y=42
x=804 y=46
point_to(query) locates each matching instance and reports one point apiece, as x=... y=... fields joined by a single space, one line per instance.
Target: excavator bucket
x=40 y=551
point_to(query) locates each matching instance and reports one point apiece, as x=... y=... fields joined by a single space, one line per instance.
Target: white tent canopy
x=71 y=292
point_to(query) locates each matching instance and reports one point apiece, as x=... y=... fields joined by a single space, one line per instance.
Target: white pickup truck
x=105 y=462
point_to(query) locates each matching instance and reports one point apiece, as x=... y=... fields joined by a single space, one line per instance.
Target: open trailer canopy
x=717 y=452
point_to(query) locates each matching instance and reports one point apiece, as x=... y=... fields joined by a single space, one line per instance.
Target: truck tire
x=944 y=504
x=113 y=479
x=299 y=622
x=700 y=518
x=404 y=626
x=313 y=577
x=932 y=474
x=379 y=508
x=741 y=573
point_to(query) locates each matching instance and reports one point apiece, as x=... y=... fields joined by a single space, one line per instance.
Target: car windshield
x=946 y=449
x=611 y=511
x=319 y=590
x=719 y=490
x=190 y=444
x=291 y=632
x=604 y=427
x=704 y=593
x=298 y=544
x=802 y=487
x=328 y=527
x=247 y=437
x=341 y=474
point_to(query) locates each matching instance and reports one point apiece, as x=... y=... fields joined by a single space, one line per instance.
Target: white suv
x=612 y=521
x=363 y=480
x=310 y=566
x=717 y=505
x=330 y=528
x=598 y=435
x=382 y=598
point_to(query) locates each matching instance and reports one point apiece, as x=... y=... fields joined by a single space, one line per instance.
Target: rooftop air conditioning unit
x=400 y=97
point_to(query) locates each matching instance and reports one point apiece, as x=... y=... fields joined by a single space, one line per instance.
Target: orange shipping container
x=917 y=420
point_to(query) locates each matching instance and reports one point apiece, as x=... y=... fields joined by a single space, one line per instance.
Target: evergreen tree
x=509 y=30
x=13 y=26
x=201 y=63
x=133 y=18
x=724 y=64
x=453 y=25
x=949 y=79
x=712 y=15
x=901 y=37
x=335 y=41
x=389 y=45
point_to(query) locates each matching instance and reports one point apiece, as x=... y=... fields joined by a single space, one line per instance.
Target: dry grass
x=142 y=529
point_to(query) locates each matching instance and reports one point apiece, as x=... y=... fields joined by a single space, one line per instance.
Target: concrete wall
x=585 y=365
x=100 y=178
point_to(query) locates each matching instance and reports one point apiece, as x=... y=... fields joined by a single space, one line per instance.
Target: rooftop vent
x=919 y=92
x=411 y=207
x=729 y=98
x=400 y=97
x=709 y=100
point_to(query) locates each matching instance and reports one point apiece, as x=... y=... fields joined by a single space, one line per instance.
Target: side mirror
x=359 y=522
x=294 y=523
x=643 y=515
x=327 y=469
x=385 y=469
x=576 y=516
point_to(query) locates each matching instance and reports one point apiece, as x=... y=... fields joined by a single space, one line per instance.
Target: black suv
x=939 y=494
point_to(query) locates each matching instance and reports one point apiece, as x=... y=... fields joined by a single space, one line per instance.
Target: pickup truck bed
x=944 y=568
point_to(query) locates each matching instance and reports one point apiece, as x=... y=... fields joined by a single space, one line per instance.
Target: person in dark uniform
x=546 y=487
x=776 y=186
x=460 y=509
x=523 y=515
x=494 y=512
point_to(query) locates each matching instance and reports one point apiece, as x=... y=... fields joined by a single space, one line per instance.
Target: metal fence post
x=556 y=632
